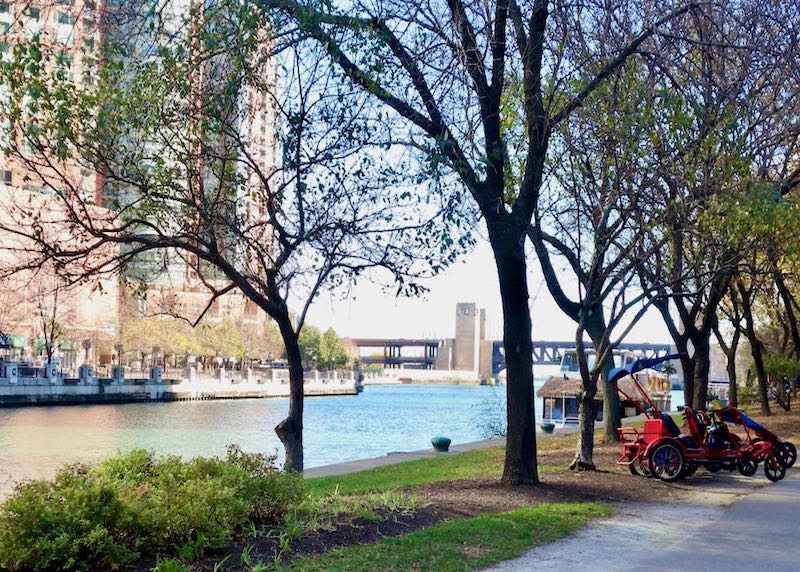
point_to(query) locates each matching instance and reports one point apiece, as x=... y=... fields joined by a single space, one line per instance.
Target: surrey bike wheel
x=774 y=469
x=747 y=466
x=640 y=468
x=689 y=469
x=789 y=453
x=666 y=462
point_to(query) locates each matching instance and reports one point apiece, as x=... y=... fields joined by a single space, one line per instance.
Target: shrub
x=70 y=523
x=268 y=497
x=780 y=367
x=490 y=416
x=747 y=394
x=106 y=515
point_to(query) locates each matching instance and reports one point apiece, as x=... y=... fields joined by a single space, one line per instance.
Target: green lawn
x=480 y=463
x=464 y=544
x=461 y=544
x=451 y=467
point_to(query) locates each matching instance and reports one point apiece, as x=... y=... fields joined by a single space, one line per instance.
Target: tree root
x=579 y=464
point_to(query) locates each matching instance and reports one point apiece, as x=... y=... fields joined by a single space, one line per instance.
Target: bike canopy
x=643 y=363
x=730 y=416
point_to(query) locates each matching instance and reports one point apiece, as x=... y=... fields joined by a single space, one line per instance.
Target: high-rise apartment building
x=72 y=28
x=76 y=31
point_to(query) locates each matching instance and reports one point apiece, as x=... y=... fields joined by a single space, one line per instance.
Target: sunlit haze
x=371 y=312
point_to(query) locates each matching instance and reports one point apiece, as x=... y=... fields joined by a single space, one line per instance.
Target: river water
x=35 y=441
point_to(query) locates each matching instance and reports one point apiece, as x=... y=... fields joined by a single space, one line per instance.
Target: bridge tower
x=469 y=327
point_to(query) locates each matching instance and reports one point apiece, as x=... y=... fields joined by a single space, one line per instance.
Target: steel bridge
x=551 y=352
x=544 y=352
x=393 y=352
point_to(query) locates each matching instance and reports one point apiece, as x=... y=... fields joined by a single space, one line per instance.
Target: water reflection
x=35 y=441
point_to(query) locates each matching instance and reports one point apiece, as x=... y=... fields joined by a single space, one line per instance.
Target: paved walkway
x=757 y=532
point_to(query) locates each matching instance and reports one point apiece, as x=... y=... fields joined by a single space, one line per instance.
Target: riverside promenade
x=21 y=386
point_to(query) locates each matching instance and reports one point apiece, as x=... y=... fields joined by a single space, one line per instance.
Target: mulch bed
x=610 y=483
x=341 y=534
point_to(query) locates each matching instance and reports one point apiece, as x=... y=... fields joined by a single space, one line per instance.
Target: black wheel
x=789 y=453
x=639 y=468
x=666 y=462
x=747 y=466
x=689 y=469
x=774 y=468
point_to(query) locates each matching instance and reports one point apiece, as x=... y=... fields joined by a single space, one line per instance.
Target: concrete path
x=759 y=531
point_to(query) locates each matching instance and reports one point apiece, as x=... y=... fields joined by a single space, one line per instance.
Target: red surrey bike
x=661 y=450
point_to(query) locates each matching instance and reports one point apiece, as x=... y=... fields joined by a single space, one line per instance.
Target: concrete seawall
x=428 y=376
x=33 y=392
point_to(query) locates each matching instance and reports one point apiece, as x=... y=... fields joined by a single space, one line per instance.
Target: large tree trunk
x=702 y=366
x=758 y=361
x=788 y=304
x=520 y=463
x=584 y=450
x=730 y=366
x=612 y=415
x=612 y=418
x=755 y=346
x=687 y=368
x=290 y=430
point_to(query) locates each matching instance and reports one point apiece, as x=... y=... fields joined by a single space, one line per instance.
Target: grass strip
x=481 y=463
x=463 y=544
x=472 y=464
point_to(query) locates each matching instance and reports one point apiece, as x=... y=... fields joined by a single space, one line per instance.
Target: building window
x=64 y=60
x=64 y=18
x=27 y=147
x=7 y=178
x=88 y=186
x=64 y=2
x=64 y=63
x=40 y=189
x=5 y=8
x=34 y=14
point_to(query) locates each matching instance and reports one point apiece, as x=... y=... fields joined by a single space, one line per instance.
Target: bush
x=107 y=515
x=781 y=367
x=747 y=394
x=490 y=416
x=66 y=523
